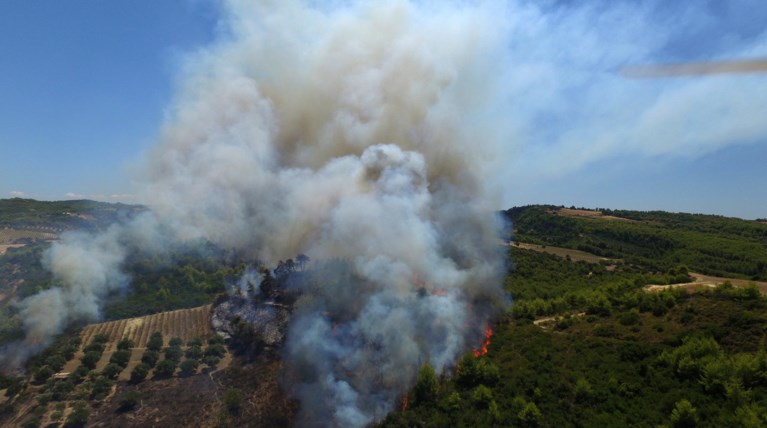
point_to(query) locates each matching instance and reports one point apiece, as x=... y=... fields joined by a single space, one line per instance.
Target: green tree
x=125 y=344
x=684 y=415
x=165 y=368
x=121 y=358
x=189 y=367
x=139 y=372
x=43 y=374
x=78 y=417
x=150 y=358
x=90 y=359
x=111 y=371
x=426 y=387
x=530 y=415
x=155 y=342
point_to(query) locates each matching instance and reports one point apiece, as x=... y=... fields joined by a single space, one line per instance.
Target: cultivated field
x=185 y=324
x=8 y=236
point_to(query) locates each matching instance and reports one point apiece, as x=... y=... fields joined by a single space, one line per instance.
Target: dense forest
x=584 y=344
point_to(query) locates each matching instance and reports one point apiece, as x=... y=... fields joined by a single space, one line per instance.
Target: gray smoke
x=361 y=132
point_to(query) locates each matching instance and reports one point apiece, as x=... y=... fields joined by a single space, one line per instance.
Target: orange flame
x=404 y=403
x=483 y=350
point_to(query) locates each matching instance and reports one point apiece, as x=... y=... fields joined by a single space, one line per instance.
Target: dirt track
x=705 y=281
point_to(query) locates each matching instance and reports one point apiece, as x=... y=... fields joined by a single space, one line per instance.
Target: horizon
x=89 y=87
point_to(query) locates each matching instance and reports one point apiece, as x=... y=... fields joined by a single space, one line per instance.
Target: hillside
x=619 y=318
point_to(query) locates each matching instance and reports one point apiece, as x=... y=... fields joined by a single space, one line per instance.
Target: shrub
x=129 y=401
x=150 y=358
x=90 y=359
x=139 y=372
x=173 y=353
x=165 y=368
x=233 y=399
x=125 y=344
x=78 y=417
x=189 y=367
x=155 y=342
x=101 y=338
x=43 y=374
x=175 y=342
x=216 y=350
x=111 y=371
x=121 y=358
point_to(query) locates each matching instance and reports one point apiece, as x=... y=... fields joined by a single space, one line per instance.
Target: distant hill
x=56 y=216
x=658 y=240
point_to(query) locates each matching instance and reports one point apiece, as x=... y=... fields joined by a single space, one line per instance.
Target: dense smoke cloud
x=358 y=132
x=349 y=133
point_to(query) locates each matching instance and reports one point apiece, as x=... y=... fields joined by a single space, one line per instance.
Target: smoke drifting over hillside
x=358 y=132
x=348 y=133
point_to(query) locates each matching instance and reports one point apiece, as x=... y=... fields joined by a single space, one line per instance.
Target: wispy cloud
x=17 y=194
x=571 y=109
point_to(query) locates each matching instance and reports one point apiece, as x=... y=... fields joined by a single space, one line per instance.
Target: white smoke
x=362 y=132
x=354 y=133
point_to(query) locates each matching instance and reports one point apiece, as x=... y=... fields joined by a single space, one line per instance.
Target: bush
x=216 y=340
x=165 y=368
x=194 y=351
x=155 y=342
x=189 y=367
x=630 y=318
x=90 y=359
x=61 y=390
x=97 y=348
x=211 y=361
x=217 y=350
x=101 y=338
x=175 y=342
x=78 y=417
x=233 y=400
x=111 y=371
x=129 y=401
x=125 y=344
x=78 y=375
x=139 y=372
x=100 y=388
x=43 y=374
x=173 y=353
x=55 y=362
x=150 y=358
x=121 y=358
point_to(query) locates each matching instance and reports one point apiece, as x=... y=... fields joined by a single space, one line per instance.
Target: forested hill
x=18 y=213
x=658 y=240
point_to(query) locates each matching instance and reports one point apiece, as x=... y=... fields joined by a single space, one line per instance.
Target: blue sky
x=84 y=85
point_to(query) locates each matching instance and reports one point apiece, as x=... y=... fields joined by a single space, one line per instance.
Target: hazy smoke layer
x=361 y=132
x=86 y=267
x=350 y=133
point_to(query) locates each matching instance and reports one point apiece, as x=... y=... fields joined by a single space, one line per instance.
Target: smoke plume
x=362 y=132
